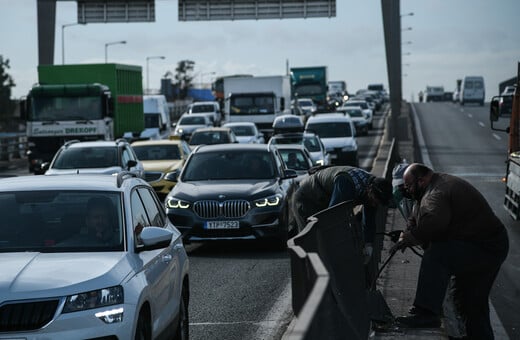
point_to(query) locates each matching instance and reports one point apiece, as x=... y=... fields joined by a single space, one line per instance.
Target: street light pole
x=63 y=38
x=112 y=43
x=148 y=72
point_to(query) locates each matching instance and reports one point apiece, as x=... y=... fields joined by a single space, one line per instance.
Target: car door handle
x=166 y=258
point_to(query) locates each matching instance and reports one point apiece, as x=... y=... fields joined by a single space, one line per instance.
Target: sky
x=447 y=40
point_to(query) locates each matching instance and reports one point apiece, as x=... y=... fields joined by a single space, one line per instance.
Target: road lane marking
x=481 y=124
x=497 y=137
x=470 y=115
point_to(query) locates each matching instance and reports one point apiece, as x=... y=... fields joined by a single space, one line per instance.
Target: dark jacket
x=452 y=208
x=332 y=185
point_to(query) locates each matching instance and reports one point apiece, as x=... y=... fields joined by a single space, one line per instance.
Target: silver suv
x=89 y=256
x=101 y=157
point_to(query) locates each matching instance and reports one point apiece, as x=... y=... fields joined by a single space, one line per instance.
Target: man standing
x=462 y=237
x=329 y=186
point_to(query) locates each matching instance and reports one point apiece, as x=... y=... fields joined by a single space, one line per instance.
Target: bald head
x=416 y=178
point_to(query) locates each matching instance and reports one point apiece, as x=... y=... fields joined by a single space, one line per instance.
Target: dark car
x=232 y=191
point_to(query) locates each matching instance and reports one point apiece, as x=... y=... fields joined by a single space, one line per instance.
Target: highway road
x=241 y=290
x=459 y=141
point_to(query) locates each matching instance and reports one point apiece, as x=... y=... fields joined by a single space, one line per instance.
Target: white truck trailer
x=257 y=99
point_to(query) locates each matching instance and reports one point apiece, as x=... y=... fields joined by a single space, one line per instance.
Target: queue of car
x=65 y=278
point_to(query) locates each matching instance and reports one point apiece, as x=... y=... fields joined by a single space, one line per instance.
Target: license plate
x=333 y=156
x=221 y=225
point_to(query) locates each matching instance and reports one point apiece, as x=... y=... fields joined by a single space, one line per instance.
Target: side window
x=139 y=217
x=155 y=213
x=126 y=156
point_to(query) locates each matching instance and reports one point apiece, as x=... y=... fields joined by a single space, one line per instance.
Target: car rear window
x=331 y=129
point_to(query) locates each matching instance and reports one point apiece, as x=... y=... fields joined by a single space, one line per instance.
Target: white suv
x=90 y=256
x=337 y=132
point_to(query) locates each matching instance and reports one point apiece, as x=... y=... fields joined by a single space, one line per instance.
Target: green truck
x=82 y=102
x=310 y=82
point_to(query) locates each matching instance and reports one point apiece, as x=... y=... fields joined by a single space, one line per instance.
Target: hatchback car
x=101 y=157
x=311 y=141
x=296 y=157
x=209 y=107
x=367 y=111
x=337 y=132
x=357 y=116
x=232 y=191
x=89 y=257
x=246 y=132
x=160 y=157
x=188 y=123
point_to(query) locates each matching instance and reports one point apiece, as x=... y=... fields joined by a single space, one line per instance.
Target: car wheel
x=143 y=330
x=183 y=328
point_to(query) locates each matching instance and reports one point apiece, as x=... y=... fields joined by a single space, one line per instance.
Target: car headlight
x=175 y=203
x=270 y=201
x=94 y=299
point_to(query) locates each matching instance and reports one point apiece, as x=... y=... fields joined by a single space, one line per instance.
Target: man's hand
x=406 y=239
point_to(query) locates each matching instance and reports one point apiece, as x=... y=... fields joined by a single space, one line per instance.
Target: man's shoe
x=419 y=321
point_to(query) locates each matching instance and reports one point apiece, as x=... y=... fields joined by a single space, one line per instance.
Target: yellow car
x=160 y=157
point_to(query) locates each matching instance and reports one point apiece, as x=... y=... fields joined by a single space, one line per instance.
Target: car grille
x=228 y=209
x=27 y=316
x=150 y=176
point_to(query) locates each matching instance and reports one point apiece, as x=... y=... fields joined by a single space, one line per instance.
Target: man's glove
x=367 y=252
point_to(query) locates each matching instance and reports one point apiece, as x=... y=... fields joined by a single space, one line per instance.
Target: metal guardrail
x=12 y=145
x=330 y=293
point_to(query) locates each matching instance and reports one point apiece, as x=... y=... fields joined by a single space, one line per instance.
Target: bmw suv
x=232 y=191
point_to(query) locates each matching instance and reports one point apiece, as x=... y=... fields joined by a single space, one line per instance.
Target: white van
x=157 y=122
x=472 y=90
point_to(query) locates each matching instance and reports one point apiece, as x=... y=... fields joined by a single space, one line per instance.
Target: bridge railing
x=331 y=286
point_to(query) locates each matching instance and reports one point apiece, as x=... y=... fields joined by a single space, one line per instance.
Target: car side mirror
x=172 y=176
x=131 y=163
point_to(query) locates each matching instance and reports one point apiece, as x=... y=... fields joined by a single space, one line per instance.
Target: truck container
x=257 y=99
x=82 y=102
x=310 y=82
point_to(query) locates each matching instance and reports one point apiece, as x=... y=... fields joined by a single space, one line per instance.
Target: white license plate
x=221 y=225
x=333 y=156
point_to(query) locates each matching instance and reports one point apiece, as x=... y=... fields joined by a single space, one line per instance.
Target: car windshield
x=151 y=120
x=209 y=137
x=243 y=130
x=362 y=105
x=192 y=121
x=157 y=152
x=331 y=130
x=226 y=165
x=202 y=108
x=84 y=158
x=61 y=221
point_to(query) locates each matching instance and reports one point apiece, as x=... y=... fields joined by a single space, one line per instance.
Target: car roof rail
x=72 y=141
x=121 y=176
x=121 y=140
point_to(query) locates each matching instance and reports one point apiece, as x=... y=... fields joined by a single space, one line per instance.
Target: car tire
x=183 y=326
x=143 y=330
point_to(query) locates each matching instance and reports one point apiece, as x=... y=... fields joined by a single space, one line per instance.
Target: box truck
x=81 y=102
x=257 y=99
